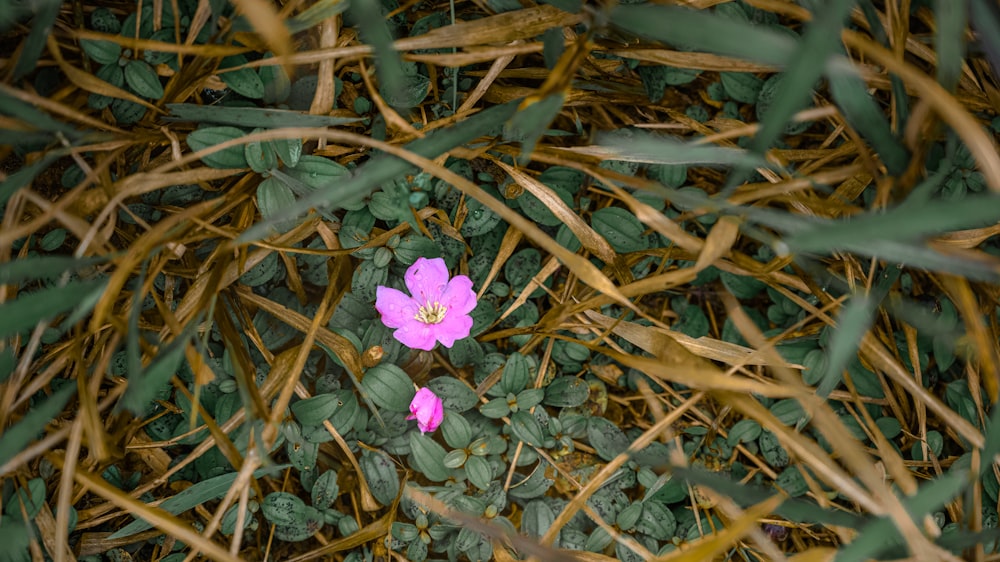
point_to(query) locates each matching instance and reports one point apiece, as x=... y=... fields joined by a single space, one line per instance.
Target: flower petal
x=454 y=327
x=428 y=410
x=416 y=335
x=458 y=297
x=426 y=279
x=396 y=307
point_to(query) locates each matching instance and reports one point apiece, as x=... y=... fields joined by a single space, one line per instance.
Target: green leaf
x=454 y=394
x=245 y=81
x=525 y=427
x=385 y=168
x=606 y=438
x=231 y=157
x=103 y=52
x=536 y=518
x=143 y=79
x=253 y=117
x=566 y=392
x=380 y=472
x=428 y=457
x=743 y=431
x=315 y=410
x=281 y=508
x=620 y=228
x=479 y=472
x=29 y=309
x=260 y=155
x=273 y=196
x=19 y=436
x=415 y=89
x=516 y=374
x=325 y=490
x=389 y=387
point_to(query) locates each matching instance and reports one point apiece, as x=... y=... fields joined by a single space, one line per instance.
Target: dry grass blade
x=164 y=521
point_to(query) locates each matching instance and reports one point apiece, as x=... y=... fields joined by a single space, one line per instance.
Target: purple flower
x=427 y=409
x=438 y=311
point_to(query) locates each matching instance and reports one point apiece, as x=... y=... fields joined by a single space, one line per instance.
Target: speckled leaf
x=282 y=508
x=143 y=79
x=380 y=473
x=244 y=81
x=566 y=392
x=325 y=490
x=455 y=395
x=606 y=438
x=535 y=485
x=620 y=228
x=312 y=521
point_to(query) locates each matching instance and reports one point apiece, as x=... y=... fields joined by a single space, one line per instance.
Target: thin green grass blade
x=385 y=168
x=375 y=32
x=15 y=439
x=26 y=175
x=904 y=223
x=315 y=14
x=144 y=384
x=985 y=19
x=43 y=267
x=924 y=257
x=703 y=31
x=28 y=113
x=801 y=511
x=41 y=28
x=853 y=322
x=881 y=535
x=820 y=42
x=27 y=310
x=7 y=364
x=201 y=492
x=952 y=19
x=638 y=146
x=859 y=108
x=252 y=117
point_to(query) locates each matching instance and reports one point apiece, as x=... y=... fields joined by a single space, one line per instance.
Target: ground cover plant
x=702 y=280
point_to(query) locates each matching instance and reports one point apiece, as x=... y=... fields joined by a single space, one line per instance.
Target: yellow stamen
x=431 y=314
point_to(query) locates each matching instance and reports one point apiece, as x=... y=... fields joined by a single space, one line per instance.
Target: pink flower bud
x=427 y=409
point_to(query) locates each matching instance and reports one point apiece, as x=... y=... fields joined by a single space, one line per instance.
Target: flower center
x=431 y=313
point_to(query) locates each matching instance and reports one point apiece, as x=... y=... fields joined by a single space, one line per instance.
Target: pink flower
x=438 y=311
x=427 y=409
